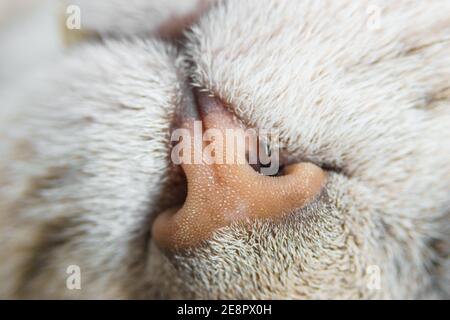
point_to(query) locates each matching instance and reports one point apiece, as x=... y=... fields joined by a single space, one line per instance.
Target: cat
x=85 y=146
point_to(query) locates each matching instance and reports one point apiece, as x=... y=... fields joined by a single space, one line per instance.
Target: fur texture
x=84 y=165
x=85 y=156
x=135 y=17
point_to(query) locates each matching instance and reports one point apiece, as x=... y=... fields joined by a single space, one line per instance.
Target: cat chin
x=314 y=246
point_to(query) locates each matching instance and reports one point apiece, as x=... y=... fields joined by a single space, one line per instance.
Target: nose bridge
x=219 y=194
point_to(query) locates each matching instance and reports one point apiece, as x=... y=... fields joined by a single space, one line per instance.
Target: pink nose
x=220 y=194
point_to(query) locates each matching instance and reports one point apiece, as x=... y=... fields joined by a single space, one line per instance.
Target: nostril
x=219 y=194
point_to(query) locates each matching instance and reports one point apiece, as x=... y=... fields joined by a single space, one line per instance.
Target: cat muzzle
x=222 y=186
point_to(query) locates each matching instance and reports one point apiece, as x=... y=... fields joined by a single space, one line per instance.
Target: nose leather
x=221 y=194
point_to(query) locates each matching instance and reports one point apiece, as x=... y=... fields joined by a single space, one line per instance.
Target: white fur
x=85 y=156
x=372 y=105
x=131 y=17
x=97 y=129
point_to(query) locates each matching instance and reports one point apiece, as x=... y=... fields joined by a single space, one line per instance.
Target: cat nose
x=222 y=192
x=174 y=27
